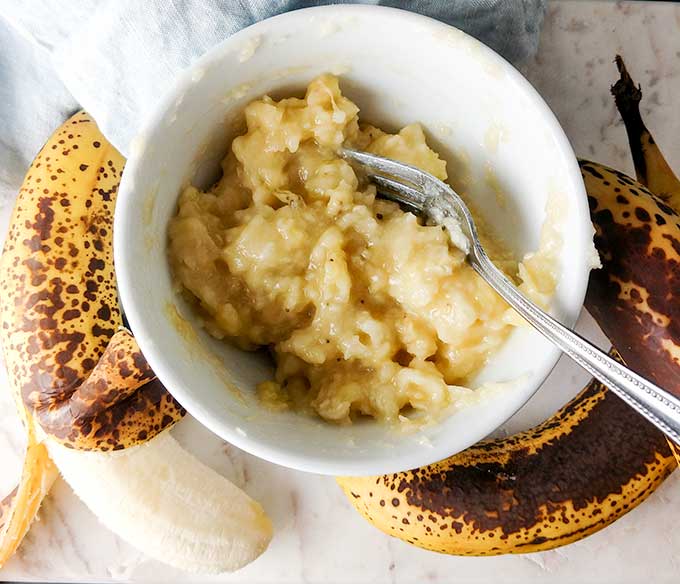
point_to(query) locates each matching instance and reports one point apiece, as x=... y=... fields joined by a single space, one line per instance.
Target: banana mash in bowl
x=292 y=311
x=366 y=310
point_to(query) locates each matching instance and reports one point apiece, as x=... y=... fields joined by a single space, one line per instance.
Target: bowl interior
x=497 y=136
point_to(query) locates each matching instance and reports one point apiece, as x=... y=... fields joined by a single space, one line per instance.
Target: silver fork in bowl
x=426 y=195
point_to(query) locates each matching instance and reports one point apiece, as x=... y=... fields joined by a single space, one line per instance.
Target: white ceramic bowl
x=399 y=68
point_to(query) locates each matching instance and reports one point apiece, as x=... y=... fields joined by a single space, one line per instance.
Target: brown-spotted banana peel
x=654 y=172
x=82 y=384
x=58 y=301
x=635 y=298
x=590 y=463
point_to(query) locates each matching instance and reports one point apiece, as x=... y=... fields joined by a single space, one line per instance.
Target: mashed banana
x=365 y=309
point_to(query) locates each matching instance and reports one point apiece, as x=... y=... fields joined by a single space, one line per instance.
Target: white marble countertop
x=318 y=537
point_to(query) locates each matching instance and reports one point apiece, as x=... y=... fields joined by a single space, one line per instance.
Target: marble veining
x=318 y=537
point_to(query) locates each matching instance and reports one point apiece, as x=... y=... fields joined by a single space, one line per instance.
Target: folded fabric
x=116 y=57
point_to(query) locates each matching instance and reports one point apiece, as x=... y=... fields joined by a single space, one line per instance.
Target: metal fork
x=426 y=195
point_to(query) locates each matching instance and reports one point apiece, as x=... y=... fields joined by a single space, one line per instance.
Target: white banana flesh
x=166 y=503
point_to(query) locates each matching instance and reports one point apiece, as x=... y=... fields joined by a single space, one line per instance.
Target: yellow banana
x=58 y=302
x=568 y=477
x=79 y=375
x=60 y=319
x=651 y=167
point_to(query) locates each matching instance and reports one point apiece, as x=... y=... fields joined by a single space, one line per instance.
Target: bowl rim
x=122 y=253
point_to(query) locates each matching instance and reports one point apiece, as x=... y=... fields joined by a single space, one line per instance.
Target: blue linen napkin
x=115 y=57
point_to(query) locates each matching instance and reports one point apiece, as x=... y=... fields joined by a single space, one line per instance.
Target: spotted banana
x=82 y=384
x=595 y=459
x=651 y=167
x=59 y=307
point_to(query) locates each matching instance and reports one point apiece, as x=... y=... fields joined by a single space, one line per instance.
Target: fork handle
x=654 y=403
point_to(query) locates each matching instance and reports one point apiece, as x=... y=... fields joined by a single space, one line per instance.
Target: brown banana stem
x=651 y=168
x=627 y=97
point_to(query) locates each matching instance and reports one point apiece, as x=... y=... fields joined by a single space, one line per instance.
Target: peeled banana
x=591 y=462
x=166 y=503
x=83 y=387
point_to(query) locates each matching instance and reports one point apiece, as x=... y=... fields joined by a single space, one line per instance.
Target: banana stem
x=651 y=168
x=627 y=97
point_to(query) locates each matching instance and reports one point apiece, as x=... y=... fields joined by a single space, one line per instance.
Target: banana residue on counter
x=366 y=310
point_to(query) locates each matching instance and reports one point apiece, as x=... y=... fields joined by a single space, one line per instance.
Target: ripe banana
x=651 y=167
x=58 y=310
x=634 y=298
x=82 y=384
x=566 y=478
x=58 y=302
x=166 y=503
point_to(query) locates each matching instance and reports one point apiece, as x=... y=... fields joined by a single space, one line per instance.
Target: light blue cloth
x=115 y=57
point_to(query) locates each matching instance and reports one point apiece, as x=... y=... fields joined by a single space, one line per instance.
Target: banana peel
x=634 y=297
x=589 y=464
x=59 y=306
x=39 y=263
x=20 y=507
x=579 y=471
x=651 y=167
